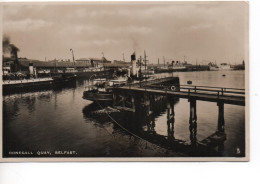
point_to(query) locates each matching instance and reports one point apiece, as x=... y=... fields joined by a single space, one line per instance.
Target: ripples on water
x=61 y=121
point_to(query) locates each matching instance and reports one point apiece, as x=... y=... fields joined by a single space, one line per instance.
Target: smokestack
x=133 y=57
x=31 y=68
x=133 y=62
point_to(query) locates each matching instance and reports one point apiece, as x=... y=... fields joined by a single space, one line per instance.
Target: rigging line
x=127 y=129
x=102 y=126
x=107 y=131
x=114 y=138
x=117 y=122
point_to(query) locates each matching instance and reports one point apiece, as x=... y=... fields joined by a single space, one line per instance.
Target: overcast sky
x=205 y=31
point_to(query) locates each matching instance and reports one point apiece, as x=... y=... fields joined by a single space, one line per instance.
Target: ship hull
x=88 y=74
x=98 y=96
x=17 y=86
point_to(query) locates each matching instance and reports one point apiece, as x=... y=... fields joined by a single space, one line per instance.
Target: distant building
x=93 y=62
x=119 y=62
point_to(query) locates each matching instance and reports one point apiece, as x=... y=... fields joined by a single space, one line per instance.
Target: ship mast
x=73 y=57
x=140 y=77
x=144 y=60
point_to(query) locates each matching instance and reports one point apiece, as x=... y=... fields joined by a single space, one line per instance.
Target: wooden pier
x=204 y=93
x=145 y=93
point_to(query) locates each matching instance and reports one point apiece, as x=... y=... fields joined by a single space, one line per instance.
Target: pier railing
x=208 y=90
x=234 y=96
x=220 y=91
x=145 y=93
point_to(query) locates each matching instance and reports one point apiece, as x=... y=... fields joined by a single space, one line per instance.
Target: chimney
x=133 y=62
x=133 y=57
x=31 y=68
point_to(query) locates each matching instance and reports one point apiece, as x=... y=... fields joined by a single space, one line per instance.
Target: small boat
x=117 y=82
x=101 y=82
x=98 y=91
x=224 y=75
x=98 y=95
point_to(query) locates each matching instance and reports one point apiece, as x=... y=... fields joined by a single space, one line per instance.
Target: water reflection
x=142 y=124
x=30 y=101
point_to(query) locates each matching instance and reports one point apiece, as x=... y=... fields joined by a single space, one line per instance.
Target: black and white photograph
x=125 y=81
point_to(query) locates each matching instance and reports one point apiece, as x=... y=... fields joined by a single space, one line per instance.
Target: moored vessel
x=213 y=67
x=97 y=94
x=32 y=84
x=225 y=66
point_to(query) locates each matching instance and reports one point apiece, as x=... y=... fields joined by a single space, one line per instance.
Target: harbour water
x=58 y=123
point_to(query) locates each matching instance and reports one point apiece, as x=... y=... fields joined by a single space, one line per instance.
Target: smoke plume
x=8 y=47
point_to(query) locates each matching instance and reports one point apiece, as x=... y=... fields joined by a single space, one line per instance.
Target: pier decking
x=205 y=93
x=145 y=93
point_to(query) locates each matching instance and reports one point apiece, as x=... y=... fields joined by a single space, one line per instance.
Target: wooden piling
x=147 y=104
x=133 y=103
x=114 y=99
x=193 y=122
x=193 y=111
x=221 y=120
x=170 y=118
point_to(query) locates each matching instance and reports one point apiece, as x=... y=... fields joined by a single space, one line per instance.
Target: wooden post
x=168 y=110
x=172 y=108
x=170 y=118
x=133 y=103
x=114 y=99
x=193 y=111
x=123 y=100
x=221 y=120
x=193 y=122
x=147 y=104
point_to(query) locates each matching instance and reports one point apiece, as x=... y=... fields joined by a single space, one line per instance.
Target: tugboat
x=99 y=91
x=97 y=94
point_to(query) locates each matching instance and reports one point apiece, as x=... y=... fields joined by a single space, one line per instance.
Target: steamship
x=32 y=84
